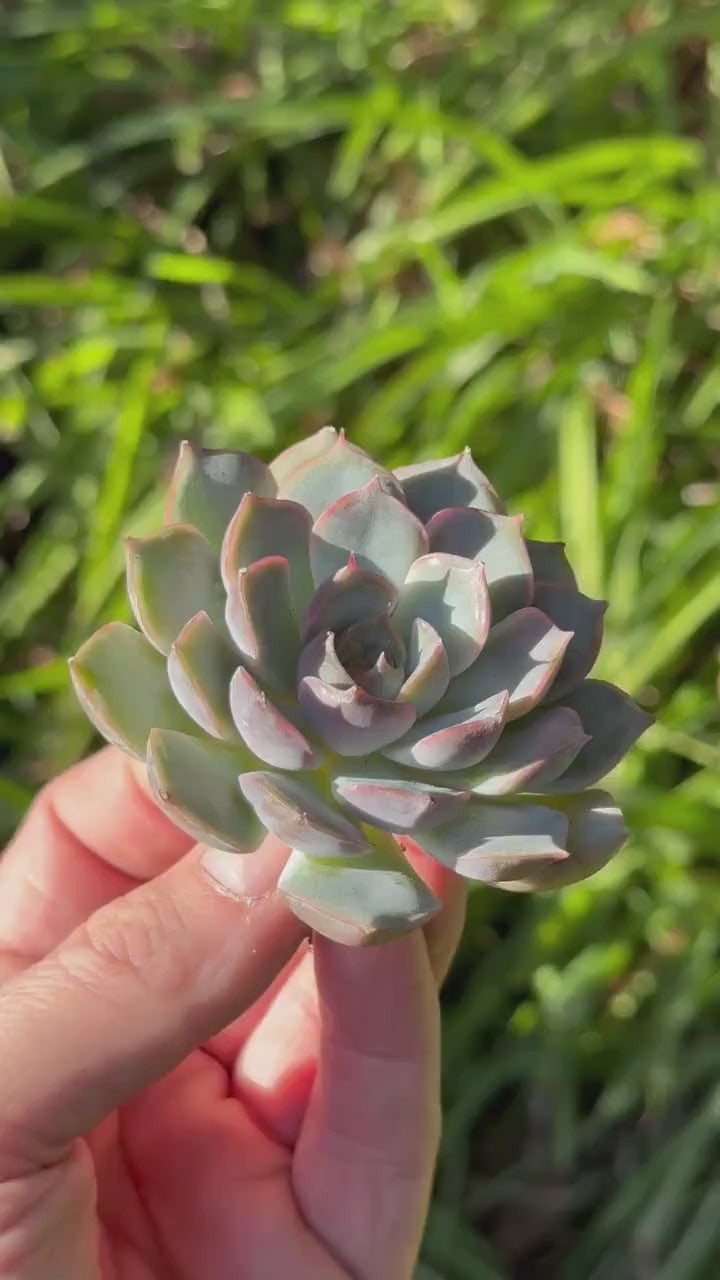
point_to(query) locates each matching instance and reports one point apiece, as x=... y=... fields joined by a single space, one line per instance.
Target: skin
x=189 y=1086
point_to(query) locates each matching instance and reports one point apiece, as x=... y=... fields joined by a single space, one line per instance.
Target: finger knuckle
x=133 y=939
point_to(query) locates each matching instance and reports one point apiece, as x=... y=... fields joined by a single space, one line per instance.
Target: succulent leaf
x=208 y=485
x=351 y=721
x=262 y=620
x=497 y=542
x=534 y=751
x=497 y=842
x=572 y=611
x=373 y=653
x=264 y=527
x=375 y=527
x=522 y=654
x=319 y=659
x=349 y=596
x=200 y=666
x=194 y=781
x=550 y=563
x=121 y=681
x=432 y=486
x=427 y=667
x=456 y=740
x=171 y=576
x=301 y=455
x=296 y=813
x=614 y=723
x=597 y=830
x=398 y=806
x=340 y=470
x=264 y=729
x=372 y=898
x=449 y=593
x=384 y=679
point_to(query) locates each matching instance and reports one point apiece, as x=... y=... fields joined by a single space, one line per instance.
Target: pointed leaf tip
x=457 y=481
x=369 y=521
x=328 y=469
x=613 y=722
x=207 y=486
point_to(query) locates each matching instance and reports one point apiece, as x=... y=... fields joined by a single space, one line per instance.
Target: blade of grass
x=132 y=422
x=578 y=495
x=636 y=449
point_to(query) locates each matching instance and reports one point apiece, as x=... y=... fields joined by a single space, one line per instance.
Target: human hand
x=188 y=1090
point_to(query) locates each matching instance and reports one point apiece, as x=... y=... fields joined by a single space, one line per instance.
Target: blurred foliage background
x=434 y=222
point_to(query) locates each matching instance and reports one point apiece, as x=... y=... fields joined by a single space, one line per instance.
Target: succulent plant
x=340 y=654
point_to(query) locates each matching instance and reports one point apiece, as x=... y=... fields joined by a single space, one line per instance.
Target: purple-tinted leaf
x=499 y=842
x=208 y=485
x=535 y=751
x=382 y=534
x=263 y=623
x=171 y=576
x=613 y=721
x=597 y=830
x=351 y=721
x=372 y=651
x=522 y=654
x=340 y=470
x=427 y=666
x=457 y=740
x=497 y=542
x=200 y=667
x=446 y=482
x=264 y=729
x=550 y=564
x=449 y=593
x=572 y=611
x=295 y=812
x=194 y=781
x=398 y=806
x=320 y=659
x=264 y=527
x=372 y=898
x=122 y=685
x=350 y=595
x=384 y=679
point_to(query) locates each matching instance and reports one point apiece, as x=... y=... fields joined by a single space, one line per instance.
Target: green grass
x=435 y=224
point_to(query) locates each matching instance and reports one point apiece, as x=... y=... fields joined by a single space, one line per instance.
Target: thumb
x=130 y=993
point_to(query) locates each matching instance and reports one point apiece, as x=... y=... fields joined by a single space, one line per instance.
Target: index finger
x=91 y=834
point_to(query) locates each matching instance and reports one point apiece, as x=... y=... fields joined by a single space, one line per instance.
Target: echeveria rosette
x=342 y=655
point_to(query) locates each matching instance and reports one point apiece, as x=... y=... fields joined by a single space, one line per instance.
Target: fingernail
x=244 y=875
